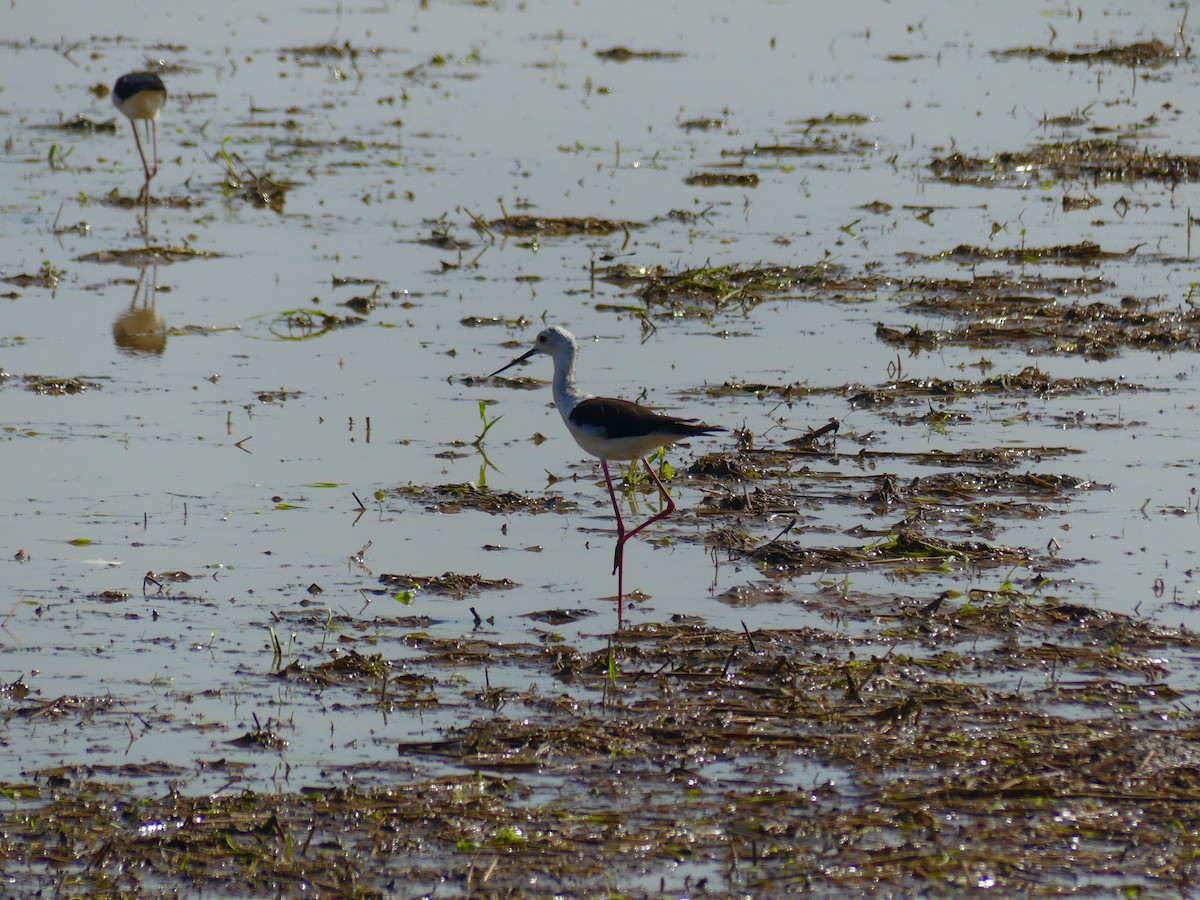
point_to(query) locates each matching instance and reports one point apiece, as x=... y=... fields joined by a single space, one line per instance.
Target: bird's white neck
x=567 y=394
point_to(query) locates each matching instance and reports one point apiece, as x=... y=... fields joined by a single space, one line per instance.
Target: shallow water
x=235 y=456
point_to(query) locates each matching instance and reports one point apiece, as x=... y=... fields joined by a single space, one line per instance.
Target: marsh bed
x=300 y=601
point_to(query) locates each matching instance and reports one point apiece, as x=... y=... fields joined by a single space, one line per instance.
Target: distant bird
x=610 y=429
x=140 y=97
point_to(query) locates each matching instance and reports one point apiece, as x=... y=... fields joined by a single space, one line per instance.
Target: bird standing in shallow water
x=140 y=97
x=610 y=429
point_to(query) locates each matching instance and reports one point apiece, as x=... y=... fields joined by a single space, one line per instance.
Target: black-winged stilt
x=140 y=97
x=610 y=429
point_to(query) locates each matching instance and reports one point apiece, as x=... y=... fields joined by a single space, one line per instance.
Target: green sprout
x=487 y=423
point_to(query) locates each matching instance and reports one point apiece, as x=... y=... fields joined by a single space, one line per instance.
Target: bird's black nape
x=136 y=83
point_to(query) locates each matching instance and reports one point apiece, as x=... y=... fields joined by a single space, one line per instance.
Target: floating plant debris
x=55 y=386
x=126 y=201
x=48 y=277
x=144 y=256
x=1149 y=54
x=259 y=189
x=624 y=54
x=699 y=291
x=83 y=125
x=1104 y=333
x=562 y=226
x=1085 y=253
x=1097 y=161
x=451 y=583
x=305 y=324
x=722 y=179
x=451 y=498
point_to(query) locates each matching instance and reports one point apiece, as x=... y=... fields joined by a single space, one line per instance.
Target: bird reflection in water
x=139 y=330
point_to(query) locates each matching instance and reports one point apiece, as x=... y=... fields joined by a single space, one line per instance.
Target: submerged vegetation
x=913 y=767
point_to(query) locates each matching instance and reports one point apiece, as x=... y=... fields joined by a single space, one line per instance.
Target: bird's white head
x=555 y=342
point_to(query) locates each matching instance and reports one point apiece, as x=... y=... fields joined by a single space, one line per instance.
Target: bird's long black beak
x=520 y=358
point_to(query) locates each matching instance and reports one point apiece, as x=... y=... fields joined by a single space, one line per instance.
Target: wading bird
x=140 y=97
x=610 y=429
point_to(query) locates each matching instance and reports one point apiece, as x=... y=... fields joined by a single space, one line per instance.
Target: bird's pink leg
x=662 y=515
x=623 y=535
x=618 y=560
x=616 y=509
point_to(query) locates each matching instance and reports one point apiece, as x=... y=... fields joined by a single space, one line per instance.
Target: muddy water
x=226 y=441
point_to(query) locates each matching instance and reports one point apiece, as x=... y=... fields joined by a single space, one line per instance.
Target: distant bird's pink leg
x=154 y=130
x=142 y=153
x=144 y=193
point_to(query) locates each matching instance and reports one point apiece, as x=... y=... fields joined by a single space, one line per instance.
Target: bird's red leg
x=616 y=509
x=662 y=515
x=618 y=556
x=623 y=535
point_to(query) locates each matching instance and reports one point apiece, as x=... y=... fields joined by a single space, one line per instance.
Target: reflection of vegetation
x=485 y=463
x=303 y=324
